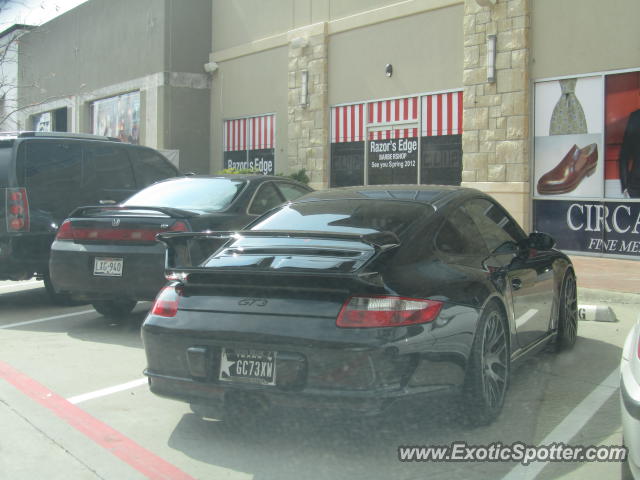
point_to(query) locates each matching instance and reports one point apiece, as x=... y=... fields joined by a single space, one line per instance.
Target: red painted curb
x=125 y=449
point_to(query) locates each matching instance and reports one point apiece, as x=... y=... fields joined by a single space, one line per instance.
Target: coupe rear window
x=207 y=194
x=350 y=216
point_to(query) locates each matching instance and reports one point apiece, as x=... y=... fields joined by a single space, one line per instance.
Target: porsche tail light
x=17 y=210
x=386 y=311
x=178 y=226
x=166 y=303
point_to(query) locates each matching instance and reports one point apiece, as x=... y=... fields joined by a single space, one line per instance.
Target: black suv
x=46 y=175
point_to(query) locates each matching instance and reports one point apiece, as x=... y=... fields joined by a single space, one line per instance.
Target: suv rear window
x=349 y=216
x=150 y=167
x=50 y=165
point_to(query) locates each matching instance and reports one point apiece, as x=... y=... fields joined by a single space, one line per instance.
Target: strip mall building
x=536 y=102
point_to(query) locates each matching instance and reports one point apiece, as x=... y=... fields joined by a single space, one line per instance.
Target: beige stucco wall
x=251 y=85
x=425 y=50
x=251 y=39
x=581 y=36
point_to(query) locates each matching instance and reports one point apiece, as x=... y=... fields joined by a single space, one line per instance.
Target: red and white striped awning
x=262 y=132
x=252 y=133
x=347 y=123
x=387 y=111
x=235 y=135
x=441 y=114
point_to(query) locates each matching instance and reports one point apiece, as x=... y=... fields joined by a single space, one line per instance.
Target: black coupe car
x=358 y=299
x=108 y=255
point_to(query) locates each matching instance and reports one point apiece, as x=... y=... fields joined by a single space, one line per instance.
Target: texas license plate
x=250 y=366
x=107 y=267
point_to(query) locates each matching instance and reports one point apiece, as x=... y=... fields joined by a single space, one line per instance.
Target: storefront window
x=408 y=141
x=587 y=162
x=118 y=117
x=249 y=143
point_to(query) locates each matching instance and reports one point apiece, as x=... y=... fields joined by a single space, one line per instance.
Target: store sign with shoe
x=587 y=162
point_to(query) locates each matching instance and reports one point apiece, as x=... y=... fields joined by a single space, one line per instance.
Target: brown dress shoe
x=567 y=175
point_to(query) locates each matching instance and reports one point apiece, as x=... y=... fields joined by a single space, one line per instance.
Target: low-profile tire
x=114 y=308
x=567 y=314
x=63 y=299
x=488 y=369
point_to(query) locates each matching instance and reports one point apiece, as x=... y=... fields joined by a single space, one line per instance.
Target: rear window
x=150 y=167
x=348 y=216
x=50 y=166
x=208 y=194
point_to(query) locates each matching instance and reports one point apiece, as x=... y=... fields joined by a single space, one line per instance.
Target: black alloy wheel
x=567 y=314
x=114 y=308
x=488 y=368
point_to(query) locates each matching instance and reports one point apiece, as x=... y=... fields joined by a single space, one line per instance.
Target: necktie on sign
x=568 y=117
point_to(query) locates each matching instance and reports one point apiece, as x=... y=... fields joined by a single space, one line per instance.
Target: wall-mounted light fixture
x=210 y=67
x=491 y=58
x=304 y=87
x=299 y=42
x=388 y=70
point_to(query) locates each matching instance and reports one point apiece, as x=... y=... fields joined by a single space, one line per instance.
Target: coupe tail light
x=386 y=311
x=166 y=303
x=65 y=232
x=17 y=210
x=129 y=235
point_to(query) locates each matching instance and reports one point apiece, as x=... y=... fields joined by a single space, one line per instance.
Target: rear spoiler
x=186 y=250
x=93 y=209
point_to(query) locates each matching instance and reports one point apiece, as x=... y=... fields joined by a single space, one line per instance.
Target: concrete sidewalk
x=608 y=274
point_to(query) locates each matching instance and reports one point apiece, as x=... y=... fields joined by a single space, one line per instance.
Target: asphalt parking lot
x=74 y=404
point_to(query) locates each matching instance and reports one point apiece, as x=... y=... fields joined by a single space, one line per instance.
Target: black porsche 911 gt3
x=358 y=299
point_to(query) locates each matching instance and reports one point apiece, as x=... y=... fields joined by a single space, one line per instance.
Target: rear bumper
x=71 y=269
x=318 y=365
x=369 y=402
x=23 y=255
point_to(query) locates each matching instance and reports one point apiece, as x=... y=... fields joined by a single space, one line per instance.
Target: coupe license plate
x=107 y=267
x=249 y=366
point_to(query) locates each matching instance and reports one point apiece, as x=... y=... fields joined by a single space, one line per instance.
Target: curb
x=594 y=296
x=596 y=313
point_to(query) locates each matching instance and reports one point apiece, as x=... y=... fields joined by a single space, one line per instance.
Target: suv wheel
x=114 y=308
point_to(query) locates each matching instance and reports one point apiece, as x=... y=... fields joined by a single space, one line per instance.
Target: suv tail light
x=386 y=311
x=17 y=205
x=166 y=303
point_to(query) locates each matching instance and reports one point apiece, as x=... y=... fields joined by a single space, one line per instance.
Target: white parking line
x=21 y=284
x=107 y=391
x=46 y=319
x=524 y=318
x=571 y=425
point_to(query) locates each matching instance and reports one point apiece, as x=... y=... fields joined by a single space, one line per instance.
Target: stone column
x=496 y=141
x=309 y=120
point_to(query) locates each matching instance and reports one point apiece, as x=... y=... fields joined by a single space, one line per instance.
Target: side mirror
x=541 y=241
x=492 y=263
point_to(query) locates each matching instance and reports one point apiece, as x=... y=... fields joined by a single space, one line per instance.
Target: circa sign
x=599 y=227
